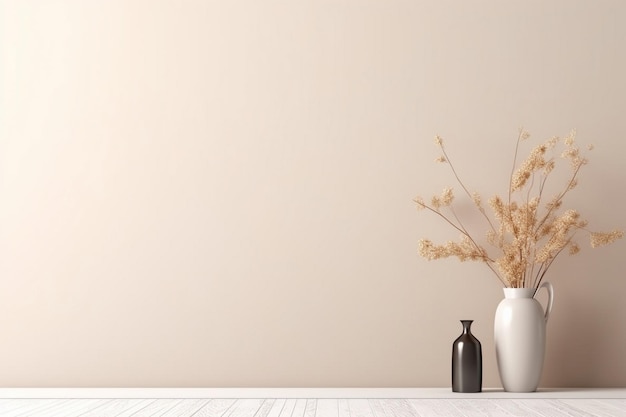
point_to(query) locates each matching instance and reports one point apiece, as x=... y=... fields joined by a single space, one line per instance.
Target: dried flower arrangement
x=527 y=233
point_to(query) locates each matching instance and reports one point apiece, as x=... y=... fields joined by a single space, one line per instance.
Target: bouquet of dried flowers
x=527 y=233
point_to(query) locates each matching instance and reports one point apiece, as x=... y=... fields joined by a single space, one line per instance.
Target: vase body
x=520 y=338
x=467 y=361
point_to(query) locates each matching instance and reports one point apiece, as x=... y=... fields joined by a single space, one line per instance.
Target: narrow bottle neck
x=467 y=324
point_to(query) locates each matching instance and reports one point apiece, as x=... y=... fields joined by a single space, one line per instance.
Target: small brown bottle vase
x=467 y=361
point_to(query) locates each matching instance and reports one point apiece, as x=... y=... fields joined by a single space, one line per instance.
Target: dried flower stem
x=458 y=179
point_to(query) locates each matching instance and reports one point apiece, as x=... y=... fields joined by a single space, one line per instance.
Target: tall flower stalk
x=526 y=233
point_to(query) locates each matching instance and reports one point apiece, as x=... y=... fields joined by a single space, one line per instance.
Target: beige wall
x=219 y=193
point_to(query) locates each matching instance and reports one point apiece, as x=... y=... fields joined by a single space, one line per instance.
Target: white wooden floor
x=294 y=407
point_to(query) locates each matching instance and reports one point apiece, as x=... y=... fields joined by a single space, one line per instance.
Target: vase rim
x=519 y=292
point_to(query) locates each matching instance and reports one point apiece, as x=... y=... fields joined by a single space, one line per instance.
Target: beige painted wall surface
x=219 y=193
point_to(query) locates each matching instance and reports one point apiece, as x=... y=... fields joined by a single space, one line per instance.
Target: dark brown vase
x=467 y=361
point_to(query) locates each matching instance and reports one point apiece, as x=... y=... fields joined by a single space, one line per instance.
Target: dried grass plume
x=525 y=233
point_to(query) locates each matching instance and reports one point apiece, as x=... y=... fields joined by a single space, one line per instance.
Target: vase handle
x=550 y=298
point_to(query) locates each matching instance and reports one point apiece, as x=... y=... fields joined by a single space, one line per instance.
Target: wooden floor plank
x=398 y=408
x=215 y=408
x=33 y=406
x=467 y=408
x=10 y=405
x=157 y=408
x=311 y=407
x=288 y=408
x=111 y=408
x=11 y=408
x=595 y=408
x=327 y=408
x=265 y=408
x=185 y=408
x=543 y=407
x=245 y=407
x=259 y=407
x=71 y=408
x=377 y=408
x=514 y=409
x=432 y=408
x=277 y=407
x=360 y=408
x=132 y=411
x=569 y=409
x=614 y=404
x=343 y=408
x=299 y=408
x=481 y=407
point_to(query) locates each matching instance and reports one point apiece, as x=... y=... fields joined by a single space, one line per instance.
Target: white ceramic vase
x=520 y=338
